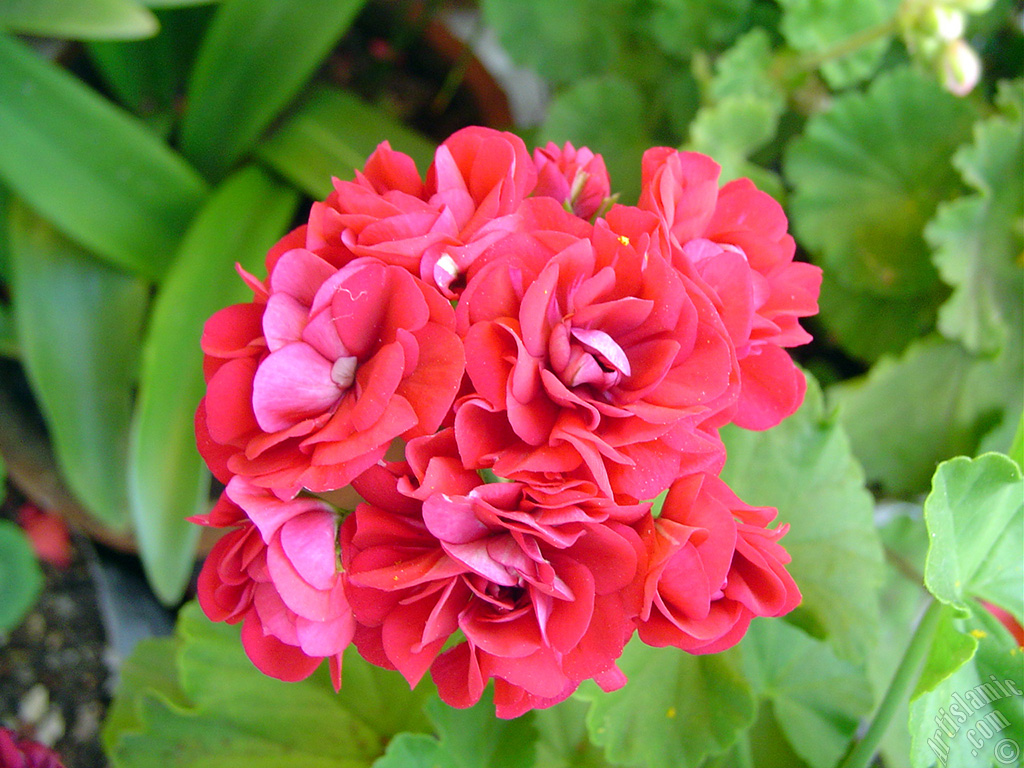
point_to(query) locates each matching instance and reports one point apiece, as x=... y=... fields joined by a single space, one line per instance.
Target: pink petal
x=292 y=384
x=308 y=541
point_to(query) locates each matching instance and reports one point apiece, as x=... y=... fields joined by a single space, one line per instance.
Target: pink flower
x=310 y=388
x=577 y=178
x=714 y=565
x=735 y=239
x=25 y=753
x=543 y=586
x=591 y=354
x=277 y=572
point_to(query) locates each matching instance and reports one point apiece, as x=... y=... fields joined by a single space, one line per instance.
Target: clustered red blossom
x=506 y=369
x=25 y=753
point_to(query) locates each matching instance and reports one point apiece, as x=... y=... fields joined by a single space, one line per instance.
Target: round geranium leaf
x=869 y=173
x=562 y=41
x=978 y=239
x=20 y=576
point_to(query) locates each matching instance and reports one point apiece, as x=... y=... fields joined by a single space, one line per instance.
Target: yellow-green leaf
x=93 y=170
x=255 y=58
x=79 y=322
x=167 y=479
x=78 y=20
x=331 y=134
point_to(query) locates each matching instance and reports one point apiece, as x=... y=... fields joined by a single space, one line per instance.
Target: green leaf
x=167 y=479
x=8 y=335
x=978 y=239
x=731 y=130
x=747 y=69
x=79 y=323
x=230 y=714
x=331 y=134
x=150 y=670
x=176 y=3
x=763 y=745
x=467 y=738
x=97 y=173
x=254 y=60
x=867 y=325
x=868 y=174
x=563 y=42
x=975 y=518
x=563 y=739
x=817 y=26
x=682 y=27
x=741 y=115
x=805 y=468
x=148 y=76
x=607 y=115
x=816 y=698
x=975 y=717
x=21 y=579
x=415 y=750
x=933 y=402
x=1016 y=451
x=950 y=650
x=373 y=703
x=475 y=738
x=675 y=709
x=80 y=20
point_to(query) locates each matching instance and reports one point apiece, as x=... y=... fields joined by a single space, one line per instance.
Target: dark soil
x=53 y=670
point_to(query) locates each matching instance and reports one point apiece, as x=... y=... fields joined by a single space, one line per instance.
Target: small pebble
x=87 y=721
x=51 y=728
x=35 y=626
x=33 y=704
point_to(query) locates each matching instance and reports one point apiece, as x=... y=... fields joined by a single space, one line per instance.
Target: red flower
x=48 y=534
x=435 y=229
x=544 y=586
x=309 y=389
x=25 y=753
x=587 y=366
x=277 y=572
x=577 y=178
x=714 y=565
x=735 y=239
x=591 y=354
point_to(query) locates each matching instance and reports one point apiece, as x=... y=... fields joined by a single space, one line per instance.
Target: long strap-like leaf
x=167 y=479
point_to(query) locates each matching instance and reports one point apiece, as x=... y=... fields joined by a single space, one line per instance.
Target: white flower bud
x=960 y=68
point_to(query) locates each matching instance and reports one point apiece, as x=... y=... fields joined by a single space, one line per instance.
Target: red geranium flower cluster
x=507 y=368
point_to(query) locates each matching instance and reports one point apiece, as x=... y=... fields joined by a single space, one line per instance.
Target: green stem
x=852 y=44
x=899 y=689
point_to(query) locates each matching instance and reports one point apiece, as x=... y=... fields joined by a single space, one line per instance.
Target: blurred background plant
x=145 y=147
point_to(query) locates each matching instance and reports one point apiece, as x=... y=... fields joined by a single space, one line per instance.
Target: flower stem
x=852 y=44
x=899 y=689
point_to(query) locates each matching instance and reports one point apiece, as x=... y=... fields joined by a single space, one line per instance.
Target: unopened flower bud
x=960 y=68
x=947 y=23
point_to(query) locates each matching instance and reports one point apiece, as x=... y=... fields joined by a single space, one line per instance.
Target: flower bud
x=946 y=23
x=960 y=68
